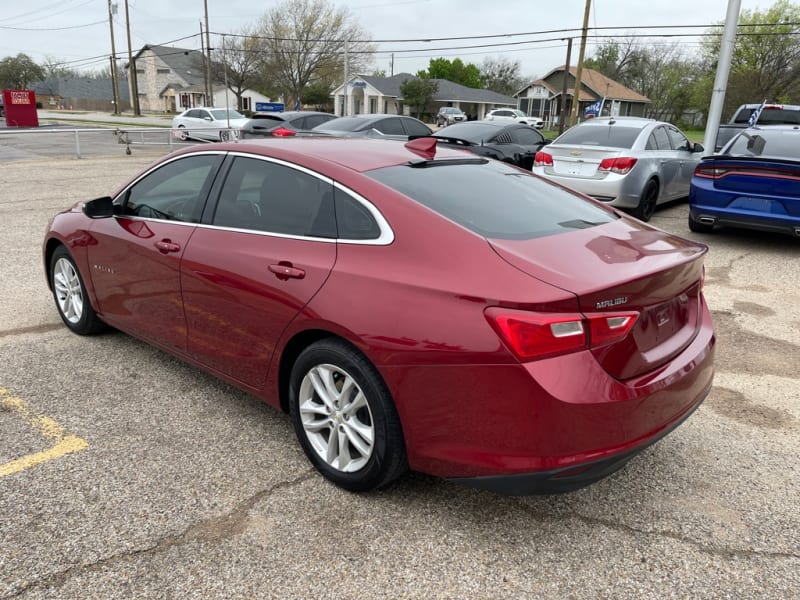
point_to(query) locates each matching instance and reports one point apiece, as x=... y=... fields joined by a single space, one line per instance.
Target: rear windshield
x=767 y=144
x=774 y=116
x=471 y=131
x=494 y=200
x=615 y=136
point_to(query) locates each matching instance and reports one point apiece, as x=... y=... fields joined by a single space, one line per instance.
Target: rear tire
x=699 y=227
x=647 y=202
x=344 y=417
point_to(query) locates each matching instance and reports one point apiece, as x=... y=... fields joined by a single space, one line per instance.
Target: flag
x=593 y=110
x=297 y=104
x=756 y=113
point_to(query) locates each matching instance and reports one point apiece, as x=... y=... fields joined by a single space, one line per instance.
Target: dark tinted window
x=391 y=126
x=526 y=136
x=345 y=124
x=263 y=196
x=662 y=139
x=677 y=139
x=414 y=127
x=615 y=136
x=471 y=131
x=314 y=120
x=493 y=199
x=771 y=115
x=173 y=192
x=353 y=219
x=778 y=144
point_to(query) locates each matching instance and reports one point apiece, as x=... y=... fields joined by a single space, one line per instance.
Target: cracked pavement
x=191 y=488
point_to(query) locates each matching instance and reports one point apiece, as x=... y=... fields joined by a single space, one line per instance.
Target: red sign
x=20 y=108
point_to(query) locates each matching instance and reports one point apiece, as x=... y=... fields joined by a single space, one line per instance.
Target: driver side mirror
x=99 y=208
x=698 y=147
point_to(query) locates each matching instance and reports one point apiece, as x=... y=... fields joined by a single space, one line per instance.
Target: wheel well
x=51 y=246
x=290 y=353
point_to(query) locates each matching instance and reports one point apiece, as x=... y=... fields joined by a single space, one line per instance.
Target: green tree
x=766 y=57
x=18 y=72
x=418 y=93
x=305 y=41
x=318 y=95
x=501 y=75
x=455 y=71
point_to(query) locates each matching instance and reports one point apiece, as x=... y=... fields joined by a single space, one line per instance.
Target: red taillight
x=531 y=335
x=283 y=132
x=542 y=159
x=621 y=165
x=708 y=172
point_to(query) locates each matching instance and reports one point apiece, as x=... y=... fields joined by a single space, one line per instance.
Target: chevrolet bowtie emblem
x=575 y=153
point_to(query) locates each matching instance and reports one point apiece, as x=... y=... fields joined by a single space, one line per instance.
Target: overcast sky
x=77 y=31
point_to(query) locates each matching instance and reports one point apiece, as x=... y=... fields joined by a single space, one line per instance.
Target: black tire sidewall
x=388 y=449
x=647 y=207
x=88 y=321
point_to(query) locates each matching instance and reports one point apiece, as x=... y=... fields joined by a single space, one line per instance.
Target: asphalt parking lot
x=126 y=473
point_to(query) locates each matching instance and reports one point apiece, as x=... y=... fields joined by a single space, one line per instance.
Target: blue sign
x=358 y=84
x=270 y=107
x=593 y=109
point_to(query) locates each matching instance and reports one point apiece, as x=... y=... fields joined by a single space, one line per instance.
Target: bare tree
x=237 y=62
x=501 y=75
x=305 y=40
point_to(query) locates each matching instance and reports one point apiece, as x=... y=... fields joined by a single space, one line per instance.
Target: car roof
x=357 y=154
x=640 y=122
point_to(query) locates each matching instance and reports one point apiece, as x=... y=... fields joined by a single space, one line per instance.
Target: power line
x=52 y=28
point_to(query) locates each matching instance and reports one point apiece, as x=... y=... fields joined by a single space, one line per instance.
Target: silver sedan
x=628 y=162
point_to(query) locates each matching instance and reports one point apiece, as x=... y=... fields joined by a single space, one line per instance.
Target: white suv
x=512 y=114
x=449 y=115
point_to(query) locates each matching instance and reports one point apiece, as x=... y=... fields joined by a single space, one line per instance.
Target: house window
x=245 y=102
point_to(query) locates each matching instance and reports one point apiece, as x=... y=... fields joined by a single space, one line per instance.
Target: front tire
x=344 y=417
x=183 y=133
x=70 y=295
x=647 y=202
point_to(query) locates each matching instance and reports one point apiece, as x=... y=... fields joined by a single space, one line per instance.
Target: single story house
x=369 y=95
x=173 y=79
x=541 y=98
x=79 y=93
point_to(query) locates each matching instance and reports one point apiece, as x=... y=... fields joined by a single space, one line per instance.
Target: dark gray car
x=391 y=127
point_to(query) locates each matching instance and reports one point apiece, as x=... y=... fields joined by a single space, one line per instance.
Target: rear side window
x=615 y=136
x=415 y=127
x=493 y=199
x=353 y=220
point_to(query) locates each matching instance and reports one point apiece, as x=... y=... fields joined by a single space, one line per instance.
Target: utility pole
x=391 y=68
x=562 y=108
x=576 y=98
x=209 y=85
x=132 y=67
x=721 y=78
x=112 y=9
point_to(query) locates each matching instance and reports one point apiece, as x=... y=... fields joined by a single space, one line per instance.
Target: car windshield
x=767 y=144
x=492 y=199
x=454 y=111
x=614 y=136
x=471 y=131
x=345 y=124
x=222 y=114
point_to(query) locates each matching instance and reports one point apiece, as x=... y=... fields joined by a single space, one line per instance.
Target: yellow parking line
x=63 y=442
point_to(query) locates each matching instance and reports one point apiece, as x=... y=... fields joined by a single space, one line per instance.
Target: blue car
x=753 y=183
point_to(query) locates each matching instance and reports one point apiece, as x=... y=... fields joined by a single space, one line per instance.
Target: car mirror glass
x=698 y=147
x=99 y=208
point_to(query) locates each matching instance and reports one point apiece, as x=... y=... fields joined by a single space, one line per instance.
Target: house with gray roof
x=172 y=79
x=369 y=95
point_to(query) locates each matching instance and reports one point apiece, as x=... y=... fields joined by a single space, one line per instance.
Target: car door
x=666 y=161
x=205 y=125
x=686 y=161
x=253 y=265
x=135 y=260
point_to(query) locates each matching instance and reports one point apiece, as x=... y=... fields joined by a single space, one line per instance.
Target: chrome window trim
x=385 y=238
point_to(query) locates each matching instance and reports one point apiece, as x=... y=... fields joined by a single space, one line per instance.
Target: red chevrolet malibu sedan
x=408 y=306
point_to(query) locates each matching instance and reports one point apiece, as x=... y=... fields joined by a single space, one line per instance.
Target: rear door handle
x=286 y=271
x=166 y=246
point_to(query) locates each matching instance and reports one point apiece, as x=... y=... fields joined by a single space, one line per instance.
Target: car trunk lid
x=580 y=161
x=621 y=267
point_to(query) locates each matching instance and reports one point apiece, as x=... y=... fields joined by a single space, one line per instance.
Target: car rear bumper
x=620 y=191
x=549 y=425
x=720 y=208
